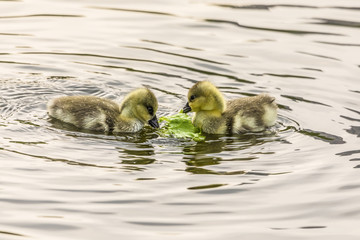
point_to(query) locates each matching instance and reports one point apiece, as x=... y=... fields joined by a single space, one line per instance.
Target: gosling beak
x=154 y=122
x=187 y=108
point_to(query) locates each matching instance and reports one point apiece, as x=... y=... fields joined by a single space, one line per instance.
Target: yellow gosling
x=98 y=114
x=215 y=116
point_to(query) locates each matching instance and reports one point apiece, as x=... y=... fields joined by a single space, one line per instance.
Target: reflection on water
x=299 y=180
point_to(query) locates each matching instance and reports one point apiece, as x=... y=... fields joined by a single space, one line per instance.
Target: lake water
x=299 y=182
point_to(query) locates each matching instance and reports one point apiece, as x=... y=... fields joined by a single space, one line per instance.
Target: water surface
x=298 y=182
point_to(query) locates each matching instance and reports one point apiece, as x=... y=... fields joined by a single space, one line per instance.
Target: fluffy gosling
x=98 y=114
x=215 y=116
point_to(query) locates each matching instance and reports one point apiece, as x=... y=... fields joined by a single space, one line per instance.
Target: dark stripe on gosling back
x=259 y=121
x=229 y=125
x=110 y=123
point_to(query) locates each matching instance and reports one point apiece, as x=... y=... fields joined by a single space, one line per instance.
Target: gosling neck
x=127 y=113
x=219 y=104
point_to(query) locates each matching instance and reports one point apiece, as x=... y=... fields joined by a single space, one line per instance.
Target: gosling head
x=142 y=105
x=204 y=96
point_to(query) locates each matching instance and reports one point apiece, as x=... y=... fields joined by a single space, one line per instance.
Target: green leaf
x=180 y=126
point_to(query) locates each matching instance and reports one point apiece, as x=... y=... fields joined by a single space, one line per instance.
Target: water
x=299 y=183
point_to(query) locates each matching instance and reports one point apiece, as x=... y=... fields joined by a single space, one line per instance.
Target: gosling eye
x=150 y=110
x=192 y=98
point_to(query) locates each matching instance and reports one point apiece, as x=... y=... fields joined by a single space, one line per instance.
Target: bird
x=103 y=115
x=214 y=115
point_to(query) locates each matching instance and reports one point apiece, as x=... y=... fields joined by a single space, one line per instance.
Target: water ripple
x=162 y=224
x=12 y=234
x=301 y=99
x=57 y=178
x=206 y=186
x=192 y=69
x=318 y=55
x=178 y=55
x=26 y=201
x=21 y=63
x=354 y=130
x=289 y=31
x=169 y=44
x=270 y=6
x=262 y=6
x=323 y=136
x=15 y=34
x=41 y=15
x=47 y=226
x=336 y=22
x=133 y=10
x=284 y=75
x=131 y=69
x=340 y=44
x=70 y=162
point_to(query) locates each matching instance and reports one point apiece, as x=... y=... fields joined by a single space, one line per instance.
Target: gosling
x=103 y=115
x=215 y=116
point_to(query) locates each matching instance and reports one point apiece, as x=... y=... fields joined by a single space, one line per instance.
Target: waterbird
x=100 y=114
x=214 y=115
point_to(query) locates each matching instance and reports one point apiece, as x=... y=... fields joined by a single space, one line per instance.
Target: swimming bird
x=214 y=115
x=99 y=114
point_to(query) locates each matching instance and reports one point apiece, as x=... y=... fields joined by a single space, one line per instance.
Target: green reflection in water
x=137 y=153
x=138 y=161
x=202 y=160
x=206 y=186
x=197 y=170
x=28 y=143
